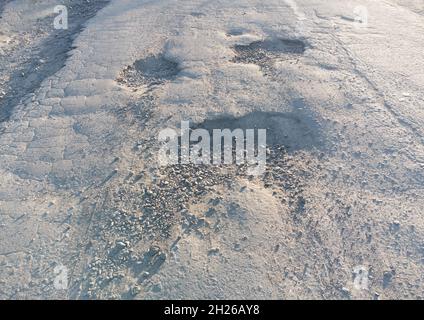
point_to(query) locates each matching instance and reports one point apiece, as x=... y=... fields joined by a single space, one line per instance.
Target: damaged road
x=83 y=199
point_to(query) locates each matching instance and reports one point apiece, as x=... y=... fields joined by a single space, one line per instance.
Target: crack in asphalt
x=47 y=58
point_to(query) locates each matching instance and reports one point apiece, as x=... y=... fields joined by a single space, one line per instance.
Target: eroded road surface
x=86 y=212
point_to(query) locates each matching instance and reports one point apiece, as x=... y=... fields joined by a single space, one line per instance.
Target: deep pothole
x=152 y=70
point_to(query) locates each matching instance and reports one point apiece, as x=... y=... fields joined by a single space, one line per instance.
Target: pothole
x=155 y=205
x=153 y=70
x=149 y=211
x=145 y=73
x=174 y=187
x=264 y=53
x=293 y=130
x=235 y=32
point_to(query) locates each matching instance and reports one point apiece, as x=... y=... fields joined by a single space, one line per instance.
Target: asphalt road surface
x=88 y=212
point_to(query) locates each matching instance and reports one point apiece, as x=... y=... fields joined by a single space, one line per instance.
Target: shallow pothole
x=293 y=130
x=264 y=53
x=153 y=70
x=278 y=46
